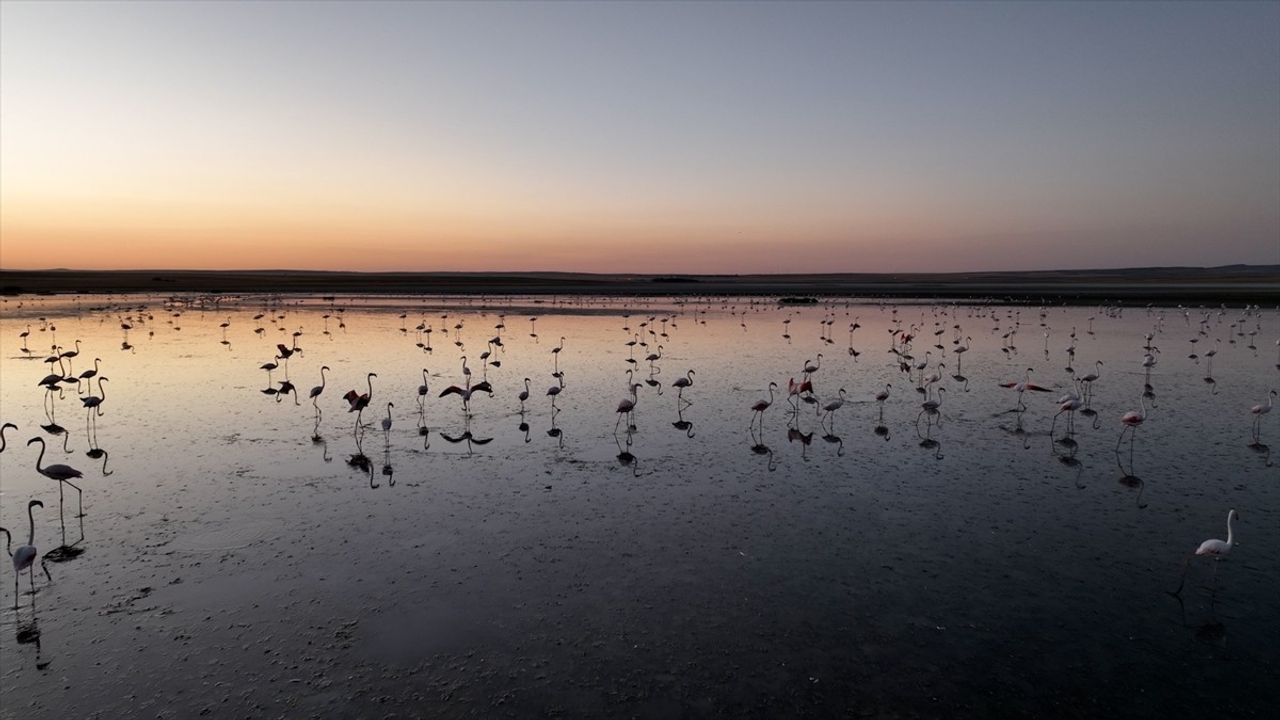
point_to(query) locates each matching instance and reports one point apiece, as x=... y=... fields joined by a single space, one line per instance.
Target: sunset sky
x=700 y=137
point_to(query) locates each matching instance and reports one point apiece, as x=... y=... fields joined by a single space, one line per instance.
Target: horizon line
x=635 y=273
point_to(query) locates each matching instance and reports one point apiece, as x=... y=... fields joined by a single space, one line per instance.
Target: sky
x=650 y=137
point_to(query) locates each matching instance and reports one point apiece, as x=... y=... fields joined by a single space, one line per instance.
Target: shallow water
x=544 y=564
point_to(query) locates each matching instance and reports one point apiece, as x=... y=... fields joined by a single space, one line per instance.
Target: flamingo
x=1025 y=385
x=553 y=392
x=1214 y=548
x=357 y=401
x=1259 y=411
x=386 y=421
x=832 y=407
x=812 y=367
x=59 y=472
x=269 y=367
x=25 y=557
x=794 y=389
x=1066 y=404
x=960 y=351
x=761 y=405
x=315 y=391
x=70 y=354
x=626 y=407
x=423 y=389
x=930 y=407
x=90 y=373
x=52 y=379
x=4 y=443
x=524 y=394
x=1086 y=382
x=466 y=392
x=360 y=402
x=95 y=401
x=682 y=383
x=883 y=395
x=1131 y=420
x=555 y=353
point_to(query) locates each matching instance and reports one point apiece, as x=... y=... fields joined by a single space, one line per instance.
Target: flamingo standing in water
x=1067 y=404
x=1259 y=411
x=25 y=557
x=91 y=372
x=524 y=394
x=1086 y=382
x=61 y=473
x=386 y=421
x=832 y=407
x=960 y=351
x=812 y=367
x=652 y=358
x=761 y=405
x=930 y=407
x=1214 y=548
x=315 y=391
x=93 y=402
x=881 y=397
x=627 y=406
x=555 y=354
x=682 y=383
x=1131 y=420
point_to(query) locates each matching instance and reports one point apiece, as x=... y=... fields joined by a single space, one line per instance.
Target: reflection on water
x=889 y=520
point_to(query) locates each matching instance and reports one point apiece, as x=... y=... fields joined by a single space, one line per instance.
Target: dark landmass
x=1231 y=283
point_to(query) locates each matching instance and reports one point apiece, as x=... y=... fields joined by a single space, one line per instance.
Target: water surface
x=238 y=560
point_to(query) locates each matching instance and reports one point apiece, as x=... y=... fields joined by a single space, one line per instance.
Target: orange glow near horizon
x=318 y=232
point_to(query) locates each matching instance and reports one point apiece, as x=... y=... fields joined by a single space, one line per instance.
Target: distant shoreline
x=1234 y=284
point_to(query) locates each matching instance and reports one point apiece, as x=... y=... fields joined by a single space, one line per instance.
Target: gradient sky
x=701 y=137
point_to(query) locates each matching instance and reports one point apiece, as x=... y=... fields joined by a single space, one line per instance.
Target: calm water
x=237 y=560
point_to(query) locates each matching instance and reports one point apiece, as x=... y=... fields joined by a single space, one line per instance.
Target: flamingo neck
x=1231 y=536
x=39 y=459
x=31 y=525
